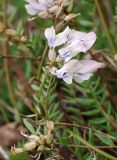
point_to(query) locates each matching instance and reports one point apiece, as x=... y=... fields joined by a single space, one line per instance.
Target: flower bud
x=41 y=148
x=41 y=140
x=49 y=139
x=53 y=9
x=58 y=59
x=52 y=55
x=70 y=16
x=68 y=4
x=44 y=14
x=35 y=138
x=29 y=146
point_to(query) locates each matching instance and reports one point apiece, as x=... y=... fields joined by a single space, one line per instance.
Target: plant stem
x=80 y=139
x=84 y=127
x=5 y=53
x=9 y=57
x=105 y=28
x=74 y=125
x=82 y=146
x=42 y=61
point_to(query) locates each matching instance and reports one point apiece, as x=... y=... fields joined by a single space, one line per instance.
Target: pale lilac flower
x=77 y=42
x=56 y=40
x=78 y=70
x=35 y=6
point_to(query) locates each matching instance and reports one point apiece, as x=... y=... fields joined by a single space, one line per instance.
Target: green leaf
x=53 y=108
x=86 y=23
x=104 y=139
x=91 y=136
x=82 y=101
x=96 y=85
x=91 y=113
x=72 y=110
x=52 y=98
x=29 y=126
x=98 y=121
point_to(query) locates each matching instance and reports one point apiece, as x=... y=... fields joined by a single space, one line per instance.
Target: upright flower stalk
x=63 y=49
x=66 y=45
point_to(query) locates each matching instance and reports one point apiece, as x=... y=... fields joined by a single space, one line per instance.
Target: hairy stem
x=42 y=61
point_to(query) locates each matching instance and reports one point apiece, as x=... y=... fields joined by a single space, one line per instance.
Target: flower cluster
x=43 y=8
x=68 y=44
x=40 y=142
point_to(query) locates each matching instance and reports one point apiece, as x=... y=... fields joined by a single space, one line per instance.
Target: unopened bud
x=34 y=137
x=52 y=55
x=42 y=140
x=53 y=9
x=41 y=148
x=70 y=16
x=68 y=4
x=49 y=139
x=58 y=59
x=44 y=14
x=29 y=146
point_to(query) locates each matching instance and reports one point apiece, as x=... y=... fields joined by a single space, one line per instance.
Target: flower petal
x=89 y=66
x=51 y=36
x=65 y=54
x=62 y=37
x=70 y=66
x=68 y=79
x=82 y=77
x=75 y=36
x=90 y=40
x=31 y=10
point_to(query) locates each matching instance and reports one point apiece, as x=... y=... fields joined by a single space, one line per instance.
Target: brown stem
x=79 y=126
x=9 y=57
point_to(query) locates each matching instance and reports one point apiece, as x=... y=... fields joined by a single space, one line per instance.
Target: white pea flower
x=78 y=70
x=56 y=40
x=77 y=42
x=35 y=6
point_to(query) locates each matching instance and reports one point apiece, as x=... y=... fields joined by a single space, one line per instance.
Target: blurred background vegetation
x=92 y=106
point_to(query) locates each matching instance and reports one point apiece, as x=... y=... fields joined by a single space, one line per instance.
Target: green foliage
x=104 y=139
x=29 y=126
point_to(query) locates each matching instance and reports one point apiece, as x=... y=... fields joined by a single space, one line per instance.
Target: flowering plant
x=72 y=43
x=62 y=97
